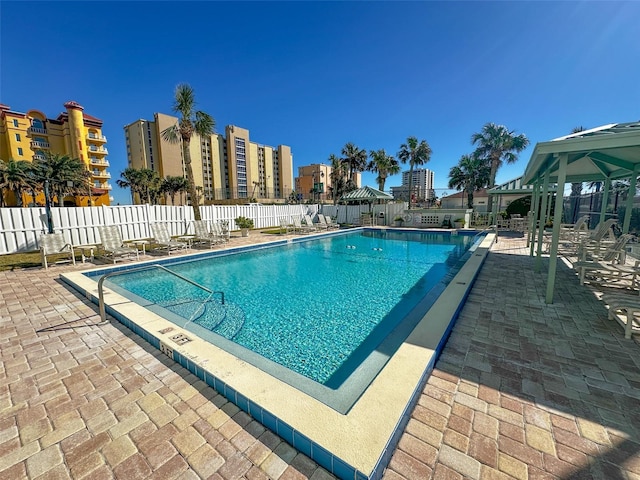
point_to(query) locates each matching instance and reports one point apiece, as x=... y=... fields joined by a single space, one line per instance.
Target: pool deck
x=522 y=390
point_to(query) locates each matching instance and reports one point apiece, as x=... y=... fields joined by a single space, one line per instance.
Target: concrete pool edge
x=355 y=445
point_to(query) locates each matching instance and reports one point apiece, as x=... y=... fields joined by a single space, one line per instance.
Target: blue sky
x=317 y=75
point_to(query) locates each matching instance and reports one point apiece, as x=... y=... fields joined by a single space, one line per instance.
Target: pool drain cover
x=165 y=330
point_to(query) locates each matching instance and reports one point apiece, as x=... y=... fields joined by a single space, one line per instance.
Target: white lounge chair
x=323 y=221
x=218 y=230
x=607 y=267
x=111 y=245
x=318 y=225
x=163 y=239
x=203 y=235
x=55 y=244
x=626 y=305
x=298 y=227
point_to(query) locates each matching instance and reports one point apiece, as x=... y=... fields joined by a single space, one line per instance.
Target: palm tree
x=144 y=182
x=356 y=159
x=384 y=165
x=190 y=122
x=471 y=174
x=173 y=185
x=415 y=153
x=15 y=177
x=338 y=178
x=65 y=176
x=496 y=144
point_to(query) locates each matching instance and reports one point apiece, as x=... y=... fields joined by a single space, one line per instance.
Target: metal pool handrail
x=103 y=312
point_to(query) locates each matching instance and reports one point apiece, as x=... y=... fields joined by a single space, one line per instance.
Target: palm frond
x=171 y=134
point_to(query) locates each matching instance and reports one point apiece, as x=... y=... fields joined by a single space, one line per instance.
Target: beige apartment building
x=314 y=182
x=225 y=167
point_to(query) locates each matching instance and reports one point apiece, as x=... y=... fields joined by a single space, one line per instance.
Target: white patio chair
x=111 y=245
x=162 y=238
x=55 y=244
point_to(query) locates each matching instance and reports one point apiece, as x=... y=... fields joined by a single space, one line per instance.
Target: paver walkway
x=522 y=390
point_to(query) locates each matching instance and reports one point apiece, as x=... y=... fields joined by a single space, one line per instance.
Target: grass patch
x=15 y=261
x=274 y=231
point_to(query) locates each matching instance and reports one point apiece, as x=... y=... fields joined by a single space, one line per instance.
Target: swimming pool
x=355 y=444
x=320 y=308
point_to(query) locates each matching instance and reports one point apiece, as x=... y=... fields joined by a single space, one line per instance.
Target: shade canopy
x=365 y=194
x=605 y=153
x=610 y=151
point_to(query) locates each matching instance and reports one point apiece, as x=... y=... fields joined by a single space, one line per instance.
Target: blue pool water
x=316 y=307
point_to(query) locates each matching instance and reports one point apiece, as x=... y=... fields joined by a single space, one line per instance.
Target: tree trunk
x=189 y=171
x=492 y=182
x=410 y=183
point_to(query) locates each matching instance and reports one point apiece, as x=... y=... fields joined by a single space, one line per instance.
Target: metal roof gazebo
x=605 y=153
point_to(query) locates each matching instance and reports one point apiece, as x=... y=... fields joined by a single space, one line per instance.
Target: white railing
x=20 y=228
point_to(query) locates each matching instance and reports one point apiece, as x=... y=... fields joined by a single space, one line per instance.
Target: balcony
x=100 y=173
x=32 y=130
x=102 y=186
x=92 y=137
x=98 y=150
x=39 y=144
x=98 y=161
x=38 y=156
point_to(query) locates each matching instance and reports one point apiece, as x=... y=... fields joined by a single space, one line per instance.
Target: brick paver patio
x=522 y=390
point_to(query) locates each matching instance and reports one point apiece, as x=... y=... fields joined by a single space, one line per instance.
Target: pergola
x=606 y=153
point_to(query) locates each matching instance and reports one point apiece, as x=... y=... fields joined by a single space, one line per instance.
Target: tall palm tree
x=338 y=178
x=470 y=175
x=65 y=175
x=415 y=152
x=173 y=185
x=384 y=165
x=14 y=177
x=190 y=122
x=498 y=144
x=356 y=160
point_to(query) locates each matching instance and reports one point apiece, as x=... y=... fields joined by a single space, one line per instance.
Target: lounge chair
x=286 y=226
x=627 y=305
x=111 y=245
x=203 y=235
x=607 y=267
x=319 y=225
x=219 y=229
x=331 y=222
x=574 y=231
x=55 y=244
x=163 y=239
x=327 y=223
x=310 y=223
x=298 y=227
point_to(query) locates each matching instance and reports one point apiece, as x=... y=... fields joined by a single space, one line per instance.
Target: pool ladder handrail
x=103 y=311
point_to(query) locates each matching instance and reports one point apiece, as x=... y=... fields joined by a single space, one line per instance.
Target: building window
x=19 y=151
x=15 y=123
x=18 y=137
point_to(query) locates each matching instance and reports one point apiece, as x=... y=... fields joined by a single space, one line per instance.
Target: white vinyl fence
x=20 y=228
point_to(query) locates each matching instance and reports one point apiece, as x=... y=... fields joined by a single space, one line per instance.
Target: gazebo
x=366 y=194
x=605 y=153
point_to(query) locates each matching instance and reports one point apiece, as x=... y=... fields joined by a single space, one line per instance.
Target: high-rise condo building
x=29 y=135
x=422 y=186
x=225 y=167
x=314 y=182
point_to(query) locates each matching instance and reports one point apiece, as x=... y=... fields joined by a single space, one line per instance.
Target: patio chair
x=331 y=222
x=446 y=222
x=608 y=267
x=203 y=235
x=626 y=305
x=298 y=227
x=111 y=245
x=221 y=230
x=286 y=226
x=318 y=225
x=323 y=221
x=55 y=244
x=163 y=239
